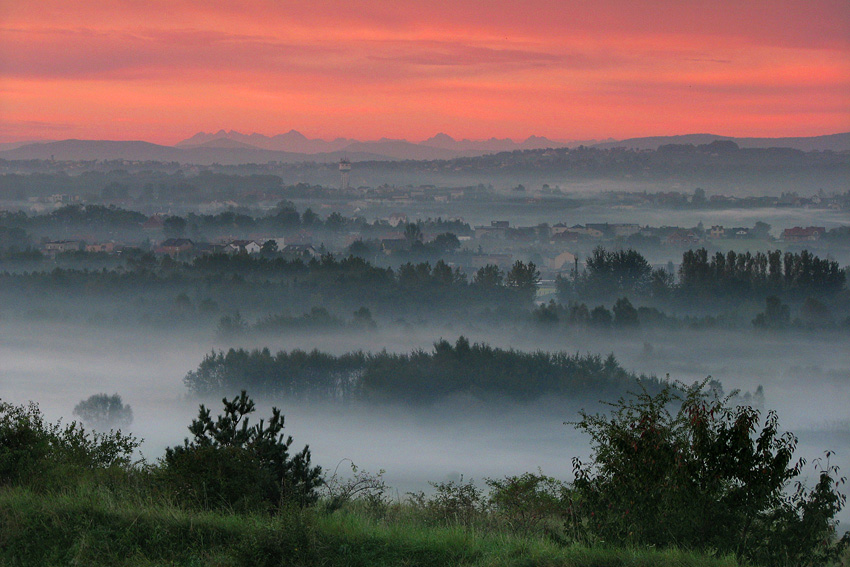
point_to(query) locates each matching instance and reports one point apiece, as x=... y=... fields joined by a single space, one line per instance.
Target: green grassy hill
x=94 y=528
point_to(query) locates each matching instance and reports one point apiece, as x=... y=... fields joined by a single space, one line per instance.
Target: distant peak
x=441 y=137
x=292 y=135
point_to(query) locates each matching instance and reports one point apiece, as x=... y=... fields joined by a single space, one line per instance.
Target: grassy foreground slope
x=710 y=478
x=95 y=527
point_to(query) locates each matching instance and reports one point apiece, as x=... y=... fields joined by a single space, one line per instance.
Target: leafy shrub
x=711 y=476
x=367 y=488
x=531 y=503
x=102 y=411
x=231 y=464
x=45 y=455
x=452 y=503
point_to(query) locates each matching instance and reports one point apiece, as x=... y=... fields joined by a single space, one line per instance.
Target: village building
x=53 y=247
x=396 y=219
x=154 y=222
x=558 y=228
x=681 y=238
x=563 y=262
x=107 y=247
x=799 y=234
x=717 y=231
x=588 y=230
x=497 y=229
x=175 y=246
x=242 y=246
x=303 y=252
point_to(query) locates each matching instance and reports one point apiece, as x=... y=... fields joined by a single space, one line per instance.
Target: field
x=97 y=528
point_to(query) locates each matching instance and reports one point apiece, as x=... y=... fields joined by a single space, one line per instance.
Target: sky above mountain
x=564 y=69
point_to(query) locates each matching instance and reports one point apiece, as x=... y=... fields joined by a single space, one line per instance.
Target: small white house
x=237 y=246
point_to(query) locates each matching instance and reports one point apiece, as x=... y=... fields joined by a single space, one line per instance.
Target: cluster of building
x=410 y=195
x=698 y=199
x=185 y=247
x=556 y=247
x=561 y=233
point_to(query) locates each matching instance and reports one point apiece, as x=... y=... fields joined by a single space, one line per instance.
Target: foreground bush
x=231 y=464
x=709 y=476
x=531 y=503
x=452 y=503
x=46 y=455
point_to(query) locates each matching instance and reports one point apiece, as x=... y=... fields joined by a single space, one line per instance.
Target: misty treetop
x=262 y=286
x=103 y=412
x=736 y=274
x=281 y=220
x=449 y=369
x=612 y=272
x=730 y=276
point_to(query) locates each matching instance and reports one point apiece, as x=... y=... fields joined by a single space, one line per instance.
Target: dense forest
x=476 y=369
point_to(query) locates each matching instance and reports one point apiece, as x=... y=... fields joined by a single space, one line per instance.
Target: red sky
x=566 y=69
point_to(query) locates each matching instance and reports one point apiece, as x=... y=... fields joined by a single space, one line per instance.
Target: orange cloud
x=565 y=69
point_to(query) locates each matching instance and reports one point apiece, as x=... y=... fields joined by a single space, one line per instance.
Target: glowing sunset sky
x=568 y=69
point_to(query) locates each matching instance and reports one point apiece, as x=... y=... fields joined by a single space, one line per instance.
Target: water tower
x=344 y=170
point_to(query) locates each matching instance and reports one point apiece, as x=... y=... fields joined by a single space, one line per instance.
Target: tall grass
x=95 y=527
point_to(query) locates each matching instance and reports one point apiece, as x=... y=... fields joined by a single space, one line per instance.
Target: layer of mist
x=806 y=379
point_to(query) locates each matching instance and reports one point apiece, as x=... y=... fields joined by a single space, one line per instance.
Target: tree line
x=259 y=286
x=283 y=218
x=420 y=376
x=703 y=276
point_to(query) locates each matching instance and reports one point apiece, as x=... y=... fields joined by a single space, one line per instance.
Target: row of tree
x=740 y=274
x=284 y=217
x=812 y=314
x=259 y=286
x=729 y=276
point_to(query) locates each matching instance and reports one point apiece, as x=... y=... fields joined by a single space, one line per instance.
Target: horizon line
x=599 y=140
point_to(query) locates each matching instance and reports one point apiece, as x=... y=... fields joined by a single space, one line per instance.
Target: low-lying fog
x=528 y=212
x=806 y=378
